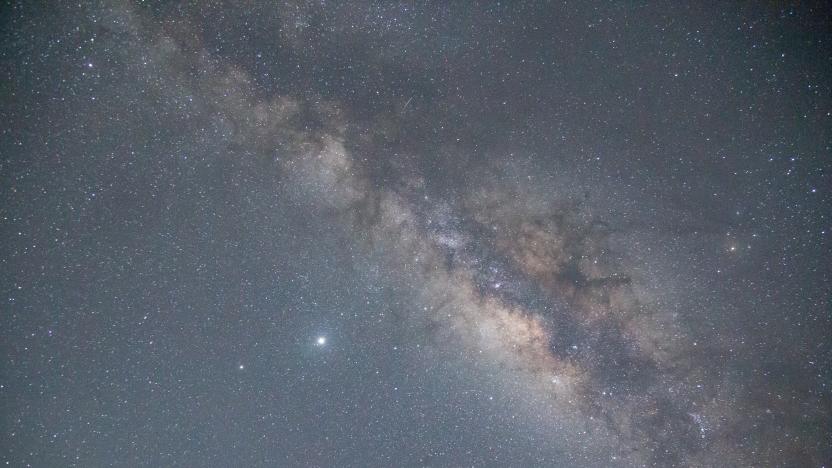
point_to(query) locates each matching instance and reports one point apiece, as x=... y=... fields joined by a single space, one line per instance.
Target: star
x=320 y=341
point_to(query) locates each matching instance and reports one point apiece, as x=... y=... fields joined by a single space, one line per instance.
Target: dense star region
x=297 y=233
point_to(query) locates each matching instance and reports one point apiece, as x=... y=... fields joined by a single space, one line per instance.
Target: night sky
x=244 y=233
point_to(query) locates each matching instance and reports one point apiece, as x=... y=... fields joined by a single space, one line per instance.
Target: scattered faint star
x=506 y=214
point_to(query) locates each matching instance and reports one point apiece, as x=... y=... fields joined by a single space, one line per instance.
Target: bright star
x=321 y=340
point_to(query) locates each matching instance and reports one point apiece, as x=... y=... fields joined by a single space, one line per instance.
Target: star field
x=362 y=234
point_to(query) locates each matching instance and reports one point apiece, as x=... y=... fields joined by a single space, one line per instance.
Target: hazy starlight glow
x=592 y=234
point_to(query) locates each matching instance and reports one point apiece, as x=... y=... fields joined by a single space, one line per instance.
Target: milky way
x=379 y=235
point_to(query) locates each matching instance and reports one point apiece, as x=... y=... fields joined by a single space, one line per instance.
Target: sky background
x=251 y=233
